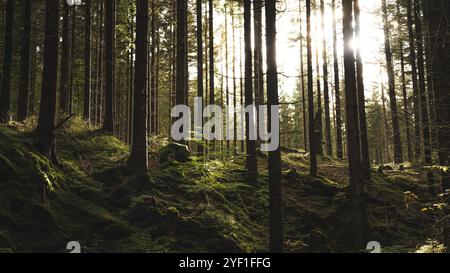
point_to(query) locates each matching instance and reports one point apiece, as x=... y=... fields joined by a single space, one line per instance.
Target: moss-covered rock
x=174 y=151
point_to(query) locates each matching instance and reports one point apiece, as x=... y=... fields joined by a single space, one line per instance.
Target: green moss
x=195 y=206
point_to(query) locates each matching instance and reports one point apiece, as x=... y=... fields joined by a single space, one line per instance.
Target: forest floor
x=193 y=206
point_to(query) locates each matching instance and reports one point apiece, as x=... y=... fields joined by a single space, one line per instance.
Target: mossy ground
x=197 y=206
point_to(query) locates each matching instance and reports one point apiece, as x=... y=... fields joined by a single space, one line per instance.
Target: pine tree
x=138 y=160
x=5 y=95
x=276 y=202
x=47 y=113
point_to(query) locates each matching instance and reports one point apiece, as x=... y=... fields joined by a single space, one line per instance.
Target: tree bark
x=110 y=33
x=5 y=95
x=276 y=202
x=251 y=163
x=357 y=198
x=312 y=140
x=138 y=160
x=405 y=97
x=200 y=62
x=412 y=58
x=181 y=80
x=326 y=98
x=339 y=148
x=439 y=24
x=302 y=81
x=365 y=157
x=398 y=150
x=258 y=55
x=24 y=84
x=87 y=62
x=47 y=112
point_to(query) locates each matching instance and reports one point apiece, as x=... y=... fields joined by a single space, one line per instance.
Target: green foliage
x=195 y=206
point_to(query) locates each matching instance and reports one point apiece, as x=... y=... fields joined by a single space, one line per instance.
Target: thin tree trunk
x=412 y=58
x=302 y=71
x=227 y=90
x=251 y=163
x=258 y=55
x=152 y=69
x=5 y=95
x=233 y=69
x=339 y=149
x=108 y=122
x=312 y=140
x=329 y=145
x=405 y=97
x=101 y=58
x=319 y=117
x=181 y=53
x=24 y=84
x=32 y=103
x=72 y=61
x=398 y=150
x=365 y=158
x=386 y=124
x=87 y=62
x=200 y=63
x=212 y=98
x=423 y=97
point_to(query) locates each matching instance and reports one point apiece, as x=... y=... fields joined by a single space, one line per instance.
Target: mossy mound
x=192 y=206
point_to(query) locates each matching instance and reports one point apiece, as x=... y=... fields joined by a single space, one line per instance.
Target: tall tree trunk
x=32 y=102
x=431 y=103
x=302 y=81
x=339 y=149
x=47 y=112
x=423 y=96
x=227 y=90
x=241 y=77
x=200 y=64
x=421 y=82
x=319 y=117
x=157 y=75
x=398 y=150
x=24 y=84
x=251 y=163
x=87 y=62
x=72 y=61
x=312 y=140
x=233 y=71
x=405 y=96
x=138 y=160
x=181 y=53
x=386 y=125
x=258 y=55
x=110 y=33
x=357 y=198
x=439 y=24
x=101 y=58
x=405 y=104
x=412 y=58
x=212 y=98
x=365 y=158
x=329 y=145
x=5 y=95
x=65 y=69
x=152 y=69
x=276 y=202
